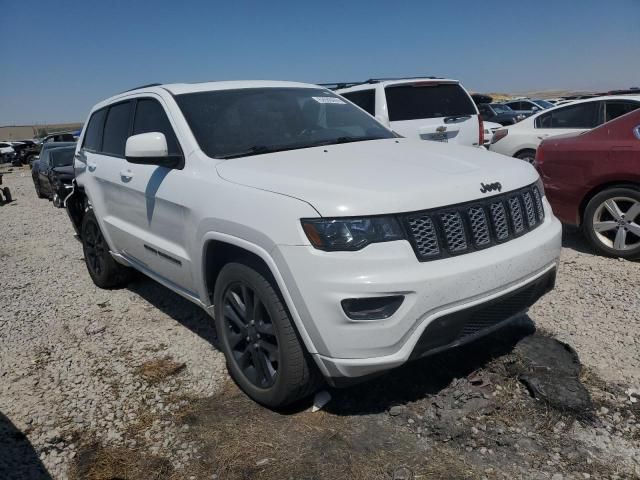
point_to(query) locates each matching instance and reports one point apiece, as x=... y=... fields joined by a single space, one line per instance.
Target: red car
x=593 y=180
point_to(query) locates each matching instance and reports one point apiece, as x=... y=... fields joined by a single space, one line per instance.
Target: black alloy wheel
x=95 y=248
x=250 y=334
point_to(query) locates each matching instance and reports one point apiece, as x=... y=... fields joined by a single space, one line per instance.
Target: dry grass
x=159 y=369
x=242 y=440
x=95 y=462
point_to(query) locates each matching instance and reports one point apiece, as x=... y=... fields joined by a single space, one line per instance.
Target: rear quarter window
x=429 y=100
x=365 y=99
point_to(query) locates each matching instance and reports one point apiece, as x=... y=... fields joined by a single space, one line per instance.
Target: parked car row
x=24 y=152
x=52 y=172
x=522 y=139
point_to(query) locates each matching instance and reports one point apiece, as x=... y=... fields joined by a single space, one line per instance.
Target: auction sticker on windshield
x=328 y=100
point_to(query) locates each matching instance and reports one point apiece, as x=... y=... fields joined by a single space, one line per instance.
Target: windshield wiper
x=335 y=141
x=260 y=149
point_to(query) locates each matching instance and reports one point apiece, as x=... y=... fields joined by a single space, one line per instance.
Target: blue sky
x=61 y=57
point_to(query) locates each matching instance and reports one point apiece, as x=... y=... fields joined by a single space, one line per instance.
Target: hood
x=379 y=176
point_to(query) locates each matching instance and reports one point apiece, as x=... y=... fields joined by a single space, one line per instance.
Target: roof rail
x=142 y=86
x=338 y=85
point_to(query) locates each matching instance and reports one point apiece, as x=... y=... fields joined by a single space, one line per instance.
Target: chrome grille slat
x=479 y=226
x=454 y=231
x=461 y=229
x=425 y=235
x=529 y=209
x=538 y=200
x=516 y=215
x=499 y=217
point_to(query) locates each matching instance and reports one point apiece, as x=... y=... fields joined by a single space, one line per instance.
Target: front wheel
x=612 y=222
x=264 y=355
x=39 y=193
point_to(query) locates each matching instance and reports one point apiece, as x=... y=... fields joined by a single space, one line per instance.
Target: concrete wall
x=24 y=132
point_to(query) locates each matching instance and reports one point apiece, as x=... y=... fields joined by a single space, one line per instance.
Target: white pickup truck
x=323 y=245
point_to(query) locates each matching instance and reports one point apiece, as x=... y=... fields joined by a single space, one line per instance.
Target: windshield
x=498 y=108
x=252 y=121
x=544 y=103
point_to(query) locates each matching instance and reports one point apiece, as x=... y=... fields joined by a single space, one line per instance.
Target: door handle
x=91 y=166
x=126 y=175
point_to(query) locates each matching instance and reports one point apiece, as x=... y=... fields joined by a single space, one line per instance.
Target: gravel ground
x=77 y=362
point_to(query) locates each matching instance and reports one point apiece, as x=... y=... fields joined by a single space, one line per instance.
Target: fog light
x=372 y=308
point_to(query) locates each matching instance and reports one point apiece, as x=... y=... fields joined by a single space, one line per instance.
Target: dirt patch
x=243 y=440
x=158 y=369
x=95 y=462
x=462 y=414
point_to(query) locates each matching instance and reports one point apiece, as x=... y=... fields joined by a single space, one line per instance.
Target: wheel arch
x=522 y=150
x=75 y=205
x=601 y=188
x=219 y=249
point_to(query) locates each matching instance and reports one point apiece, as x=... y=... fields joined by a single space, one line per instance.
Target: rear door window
x=427 y=100
x=151 y=117
x=583 y=115
x=93 y=136
x=116 y=129
x=365 y=99
x=617 y=108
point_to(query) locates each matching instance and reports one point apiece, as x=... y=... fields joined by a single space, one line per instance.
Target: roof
x=181 y=88
x=586 y=100
x=352 y=86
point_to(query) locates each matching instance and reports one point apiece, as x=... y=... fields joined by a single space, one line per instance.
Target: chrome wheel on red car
x=612 y=222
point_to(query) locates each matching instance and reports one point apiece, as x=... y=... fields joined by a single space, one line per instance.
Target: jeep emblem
x=490 y=187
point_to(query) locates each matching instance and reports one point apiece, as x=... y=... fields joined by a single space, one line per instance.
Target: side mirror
x=535 y=109
x=151 y=149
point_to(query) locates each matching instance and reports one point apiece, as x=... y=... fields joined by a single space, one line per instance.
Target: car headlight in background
x=334 y=234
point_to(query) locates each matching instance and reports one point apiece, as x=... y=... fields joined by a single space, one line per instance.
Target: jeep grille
x=468 y=227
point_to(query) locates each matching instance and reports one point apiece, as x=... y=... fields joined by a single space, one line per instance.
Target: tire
x=103 y=269
x=612 y=222
x=7 y=194
x=527 y=155
x=265 y=358
x=36 y=183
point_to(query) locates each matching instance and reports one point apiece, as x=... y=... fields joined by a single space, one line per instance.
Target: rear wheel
x=103 y=269
x=264 y=355
x=527 y=155
x=612 y=222
x=7 y=194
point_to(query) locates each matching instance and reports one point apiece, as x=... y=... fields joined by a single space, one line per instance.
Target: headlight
x=351 y=233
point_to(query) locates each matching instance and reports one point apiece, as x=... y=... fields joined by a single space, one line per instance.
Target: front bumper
x=318 y=281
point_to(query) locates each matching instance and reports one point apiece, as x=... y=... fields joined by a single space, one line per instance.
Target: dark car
x=52 y=173
x=592 y=180
x=26 y=151
x=499 y=113
x=528 y=106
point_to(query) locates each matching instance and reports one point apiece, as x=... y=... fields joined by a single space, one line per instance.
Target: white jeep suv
x=426 y=108
x=322 y=244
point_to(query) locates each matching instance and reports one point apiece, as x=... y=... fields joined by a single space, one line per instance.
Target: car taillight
x=499 y=134
x=480 y=131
